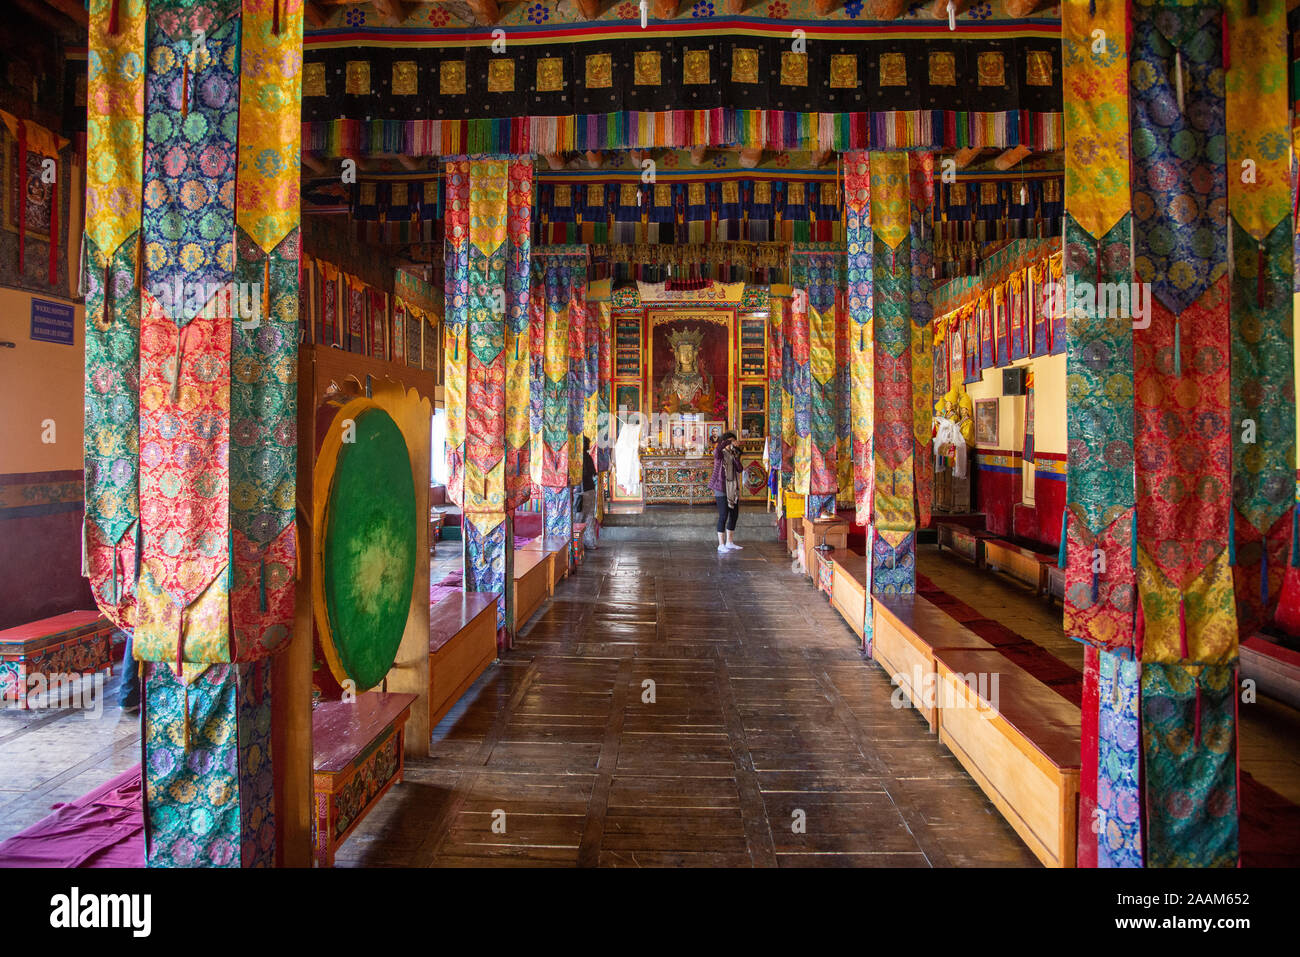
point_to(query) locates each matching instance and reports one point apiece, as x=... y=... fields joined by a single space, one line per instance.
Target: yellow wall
x=1049 y=405
x=43 y=380
x=38 y=381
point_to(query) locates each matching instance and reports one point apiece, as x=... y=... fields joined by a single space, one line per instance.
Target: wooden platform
x=962 y=539
x=556 y=549
x=1020 y=741
x=906 y=632
x=1019 y=562
x=532 y=582
x=77 y=643
x=1274 y=669
x=462 y=643
x=357 y=756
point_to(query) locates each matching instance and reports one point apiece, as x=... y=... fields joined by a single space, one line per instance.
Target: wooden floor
x=764 y=715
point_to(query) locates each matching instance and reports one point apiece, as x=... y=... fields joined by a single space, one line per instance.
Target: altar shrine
x=367 y=363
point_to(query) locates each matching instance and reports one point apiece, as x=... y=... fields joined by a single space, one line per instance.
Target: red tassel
x=185 y=87
x=112 y=19
x=275 y=29
x=1182 y=630
x=1139 y=624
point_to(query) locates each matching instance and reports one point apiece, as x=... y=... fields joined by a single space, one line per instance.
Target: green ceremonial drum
x=364 y=539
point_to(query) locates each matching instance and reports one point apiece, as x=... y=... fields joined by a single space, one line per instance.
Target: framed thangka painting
x=986 y=422
x=690 y=363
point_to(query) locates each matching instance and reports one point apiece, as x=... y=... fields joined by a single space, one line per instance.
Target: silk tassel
x=1096 y=586
x=1259 y=277
x=1178 y=349
x=139 y=551
x=1182 y=628
x=1263 y=571
x=1196 y=733
x=176 y=376
x=185 y=87
x=1232 y=537
x=113 y=18
x=1295 y=537
x=266 y=288
x=1061 y=550
x=261 y=585
x=1178 y=78
x=275 y=17
x=185 y=726
x=85 y=545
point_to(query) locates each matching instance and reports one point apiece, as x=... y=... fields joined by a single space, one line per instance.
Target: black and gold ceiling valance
x=685 y=91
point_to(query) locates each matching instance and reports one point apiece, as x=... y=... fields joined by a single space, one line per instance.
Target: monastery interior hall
x=649 y=434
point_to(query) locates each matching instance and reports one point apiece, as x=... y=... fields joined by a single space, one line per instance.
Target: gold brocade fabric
x=695 y=67
x=599 y=71
x=844 y=71
x=115 y=124
x=451 y=78
x=943 y=69
x=991 y=69
x=270 y=129
x=501 y=75
x=744 y=66
x=357 y=78
x=794 y=68
x=1096 y=113
x=405 y=78
x=646 y=69
x=1256 y=94
x=890 y=206
x=893 y=69
x=550 y=75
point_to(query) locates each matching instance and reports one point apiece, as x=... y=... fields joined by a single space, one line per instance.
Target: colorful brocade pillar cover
x=818 y=329
x=893 y=514
x=799 y=379
x=604 y=378
x=191 y=267
x=1098 y=537
x=921 y=240
x=1187 y=637
x=559 y=303
x=487 y=375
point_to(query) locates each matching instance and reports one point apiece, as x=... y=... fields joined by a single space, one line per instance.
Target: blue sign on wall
x=53 y=322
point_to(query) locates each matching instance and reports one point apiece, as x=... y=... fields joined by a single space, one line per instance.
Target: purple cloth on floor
x=104 y=828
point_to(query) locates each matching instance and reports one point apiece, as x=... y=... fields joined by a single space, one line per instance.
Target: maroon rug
x=1038 y=661
x=1269 y=822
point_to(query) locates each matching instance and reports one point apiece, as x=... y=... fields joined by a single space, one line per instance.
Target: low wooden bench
x=556 y=550
x=1051 y=583
x=1019 y=740
x=966 y=542
x=462 y=644
x=1274 y=669
x=1019 y=562
x=532 y=583
x=357 y=749
x=849 y=587
x=74 y=643
x=907 y=631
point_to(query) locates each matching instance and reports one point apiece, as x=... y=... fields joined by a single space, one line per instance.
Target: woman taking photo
x=725 y=483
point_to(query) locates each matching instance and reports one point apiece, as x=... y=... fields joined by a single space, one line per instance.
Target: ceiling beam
x=391 y=12
x=486 y=12
x=594 y=158
x=554 y=160
x=886 y=9
x=824 y=7
x=1019 y=9
x=697 y=155
x=964 y=157
x=751 y=157
x=590 y=9
x=316 y=17
x=939 y=8
x=820 y=157
x=734 y=7
x=665 y=9
x=1012 y=157
x=73 y=10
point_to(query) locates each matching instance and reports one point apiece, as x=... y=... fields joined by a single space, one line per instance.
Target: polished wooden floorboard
x=763 y=715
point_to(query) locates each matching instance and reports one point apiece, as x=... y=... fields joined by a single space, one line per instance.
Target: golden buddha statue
x=686 y=388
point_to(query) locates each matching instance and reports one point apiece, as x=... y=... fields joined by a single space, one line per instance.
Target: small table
x=436 y=517
x=357 y=756
x=75 y=643
x=962 y=540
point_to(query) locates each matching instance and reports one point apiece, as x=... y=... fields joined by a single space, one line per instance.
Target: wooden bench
x=1019 y=562
x=907 y=631
x=532 y=583
x=964 y=541
x=1051 y=584
x=1019 y=740
x=462 y=643
x=357 y=749
x=849 y=587
x=1274 y=669
x=74 y=643
x=556 y=550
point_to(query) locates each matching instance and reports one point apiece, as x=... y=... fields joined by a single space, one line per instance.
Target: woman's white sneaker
x=733 y=547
